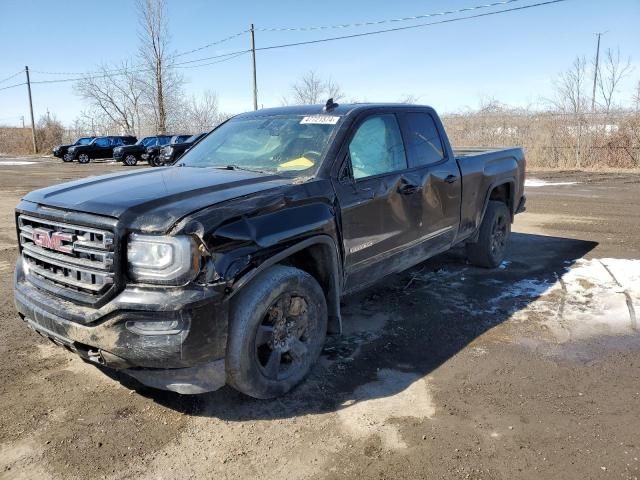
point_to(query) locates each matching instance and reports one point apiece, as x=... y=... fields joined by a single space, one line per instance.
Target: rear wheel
x=489 y=250
x=84 y=158
x=130 y=160
x=277 y=329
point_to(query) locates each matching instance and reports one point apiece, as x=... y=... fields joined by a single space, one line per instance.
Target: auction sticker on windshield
x=320 y=120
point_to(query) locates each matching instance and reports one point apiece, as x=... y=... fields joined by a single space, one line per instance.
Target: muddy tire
x=130 y=160
x=489 y=250
x=84 y=158
x=277 y=328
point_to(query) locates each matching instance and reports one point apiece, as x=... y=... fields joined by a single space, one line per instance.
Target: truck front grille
x=73 y=257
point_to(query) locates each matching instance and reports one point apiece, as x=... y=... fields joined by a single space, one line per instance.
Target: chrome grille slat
x=64 y=261
x=43 y=272
x=87 y=266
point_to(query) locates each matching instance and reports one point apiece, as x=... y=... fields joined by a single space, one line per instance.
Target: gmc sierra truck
x=228 y=267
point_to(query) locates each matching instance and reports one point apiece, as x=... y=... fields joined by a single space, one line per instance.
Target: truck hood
x=153 y=200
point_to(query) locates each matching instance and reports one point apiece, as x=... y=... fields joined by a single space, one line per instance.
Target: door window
x=103 y=142
x=377 y=147
x=423 y=141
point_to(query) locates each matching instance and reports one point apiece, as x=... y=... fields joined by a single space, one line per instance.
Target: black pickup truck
x=60 y=151
x=130 y=155
x=229 y=266
x=170 y=153
x=99 y=147
x=153 y=152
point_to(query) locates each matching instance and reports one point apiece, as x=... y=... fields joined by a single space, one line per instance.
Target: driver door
x=379 y=208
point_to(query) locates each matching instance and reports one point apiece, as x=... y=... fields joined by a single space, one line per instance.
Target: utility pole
x=22 y=118
x=33 y=124
x=255 y=79
x=595 y=73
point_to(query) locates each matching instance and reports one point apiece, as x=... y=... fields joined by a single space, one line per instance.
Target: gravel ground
x=445 y=371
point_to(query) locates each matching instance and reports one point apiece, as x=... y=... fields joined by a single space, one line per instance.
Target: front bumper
x=118 y=156
x=188 y=359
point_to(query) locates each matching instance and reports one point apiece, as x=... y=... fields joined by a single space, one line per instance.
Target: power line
x=13 y=86
x=397 y=29
x=225 y=57
x=379 y=22
x=20 y=72
x=208 y=45
x=239 y=54
x=142 y=66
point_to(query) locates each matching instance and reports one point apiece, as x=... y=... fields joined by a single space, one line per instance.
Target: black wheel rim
x=499 y=232
x=282 y=339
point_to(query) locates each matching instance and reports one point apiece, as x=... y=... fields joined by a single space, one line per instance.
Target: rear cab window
x=424 y=145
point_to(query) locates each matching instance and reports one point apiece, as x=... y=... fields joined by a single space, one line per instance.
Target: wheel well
x=319 y=261
x=502 y=193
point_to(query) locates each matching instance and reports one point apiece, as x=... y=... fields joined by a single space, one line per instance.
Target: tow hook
x=96 y=356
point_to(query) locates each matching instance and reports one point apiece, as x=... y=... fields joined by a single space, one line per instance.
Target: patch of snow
x=589 y=299
x=534 y=182
x=15 y=162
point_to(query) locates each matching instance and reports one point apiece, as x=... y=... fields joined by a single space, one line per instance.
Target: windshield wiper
x=238 y=167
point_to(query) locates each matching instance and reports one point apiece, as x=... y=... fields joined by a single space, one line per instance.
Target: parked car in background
x=171 y=153
x=153 y=152
x=230 y=269
x=60 y=151
x=100 y=147
x=129 y=155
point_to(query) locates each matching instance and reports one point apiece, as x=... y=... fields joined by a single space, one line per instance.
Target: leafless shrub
x=312 y=89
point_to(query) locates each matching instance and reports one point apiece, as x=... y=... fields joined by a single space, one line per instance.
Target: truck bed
x=481 y=169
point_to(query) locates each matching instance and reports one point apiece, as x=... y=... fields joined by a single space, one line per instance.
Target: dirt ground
x=446 y=371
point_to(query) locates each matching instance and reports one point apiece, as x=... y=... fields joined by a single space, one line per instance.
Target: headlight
x=162 y=259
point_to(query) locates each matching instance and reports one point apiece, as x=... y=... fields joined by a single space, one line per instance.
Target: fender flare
x=335 y=285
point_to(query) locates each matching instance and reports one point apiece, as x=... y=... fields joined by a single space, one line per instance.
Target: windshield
x=273 y=144
x=178 y=139
x=147 y=141
x=193 y=138
x=83 y=141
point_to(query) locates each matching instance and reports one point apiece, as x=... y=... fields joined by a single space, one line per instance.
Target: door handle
x=451 y=178
x=408 y=189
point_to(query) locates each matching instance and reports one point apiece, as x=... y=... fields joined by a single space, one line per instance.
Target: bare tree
x=203 y=113
x=572 y=99
x=161 y=79
x=610 y=73
x=409 y=98
x=636 y=97
x=570 y=88
x=313 y=89
x=116 y=95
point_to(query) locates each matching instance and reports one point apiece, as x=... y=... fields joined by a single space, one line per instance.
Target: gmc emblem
x=53 y=240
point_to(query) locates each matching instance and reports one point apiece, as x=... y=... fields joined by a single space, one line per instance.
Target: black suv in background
x=171 y=153
x=129 y=155
x=100 y=147
x=153 y=152
x=60 y=151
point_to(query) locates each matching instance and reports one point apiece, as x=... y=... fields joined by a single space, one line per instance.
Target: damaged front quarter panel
x=237 y=236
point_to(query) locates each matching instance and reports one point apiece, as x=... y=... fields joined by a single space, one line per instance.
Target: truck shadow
x=399 y=331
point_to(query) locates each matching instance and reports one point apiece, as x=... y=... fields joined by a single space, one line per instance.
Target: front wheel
x=67 y=158
x=277 y=329
x=130 y=160
x=84 y=158
x=494 y=233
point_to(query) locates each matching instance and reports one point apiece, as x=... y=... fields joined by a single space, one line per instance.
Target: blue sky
x=513 y=57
